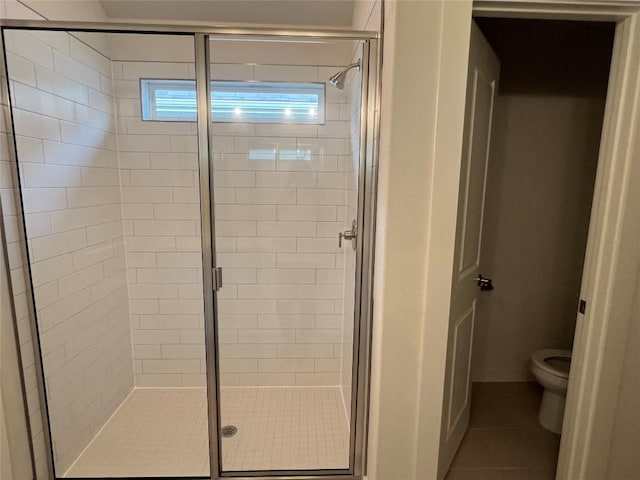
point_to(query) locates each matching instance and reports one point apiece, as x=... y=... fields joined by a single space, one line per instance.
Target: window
x=169 y=100
x=276 y=154
x=252 y=102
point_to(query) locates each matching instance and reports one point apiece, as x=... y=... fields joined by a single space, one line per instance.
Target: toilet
x=551 y=370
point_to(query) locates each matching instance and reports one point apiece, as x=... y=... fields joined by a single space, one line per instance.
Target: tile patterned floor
x=285 y=428
x=504 y=440
x=163 y=432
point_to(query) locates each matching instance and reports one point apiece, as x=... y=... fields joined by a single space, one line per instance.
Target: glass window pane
x=234 y=101
x=268 y=102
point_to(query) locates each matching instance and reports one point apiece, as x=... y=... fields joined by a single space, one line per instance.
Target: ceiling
x=320 y=13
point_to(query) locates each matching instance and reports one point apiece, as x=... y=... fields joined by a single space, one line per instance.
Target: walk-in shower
x=179 y=196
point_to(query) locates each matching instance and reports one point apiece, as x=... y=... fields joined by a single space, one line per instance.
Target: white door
x=482 y=86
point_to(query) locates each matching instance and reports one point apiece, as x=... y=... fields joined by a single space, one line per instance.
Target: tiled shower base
x=163 y=432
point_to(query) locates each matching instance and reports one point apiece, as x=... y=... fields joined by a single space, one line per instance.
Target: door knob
x=485 y=284
x=349 y=235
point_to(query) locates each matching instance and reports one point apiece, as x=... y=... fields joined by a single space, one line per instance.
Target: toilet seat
x=552 y=361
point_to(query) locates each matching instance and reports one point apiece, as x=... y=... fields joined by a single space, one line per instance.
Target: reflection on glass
x=256 y=102
x=276 y=154
x=283 y=193
x=111 y=205
x=15 y=456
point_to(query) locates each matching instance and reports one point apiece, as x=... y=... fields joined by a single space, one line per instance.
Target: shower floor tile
x=285 y=429
x=163 y=432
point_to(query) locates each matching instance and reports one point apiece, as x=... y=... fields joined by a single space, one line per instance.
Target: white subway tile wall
x=65 y=131
x=278 y=219
x=161 y=204
x=277 y=222
x=26 y=71
x=112 y=217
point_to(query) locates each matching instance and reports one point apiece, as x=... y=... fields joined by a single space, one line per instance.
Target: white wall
x=16 y=266
x=70 y=10
x=15 y=458
x=277 y=229
x=277 y=224
x=16 y=9
x=159 y=179
x=62 y=10
x=397 y=448
x=415 y=199
x=65 y=134
x=160 y=48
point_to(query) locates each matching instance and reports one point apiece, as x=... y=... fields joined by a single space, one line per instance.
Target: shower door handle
x=349 y=235
x=217 y=278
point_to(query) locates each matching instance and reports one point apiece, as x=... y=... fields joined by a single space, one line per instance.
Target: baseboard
x=502 y=375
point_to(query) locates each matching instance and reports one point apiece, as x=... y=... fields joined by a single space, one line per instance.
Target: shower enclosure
x=189 y=217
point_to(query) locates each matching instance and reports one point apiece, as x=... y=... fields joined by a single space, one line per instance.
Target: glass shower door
x=285 y=152
x=105 y=130
x=130 y=205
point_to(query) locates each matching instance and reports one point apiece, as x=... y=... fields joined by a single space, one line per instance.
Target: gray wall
x=540 y=184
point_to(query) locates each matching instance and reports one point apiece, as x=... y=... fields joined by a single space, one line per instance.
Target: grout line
x=21 y=2
x=100 y=431
x=57 y=95
x=330 y=442
x=279 y=386
x=123 y=219
x=224 y=64
x=241 y=386
x=344 y=405
x=170 y=388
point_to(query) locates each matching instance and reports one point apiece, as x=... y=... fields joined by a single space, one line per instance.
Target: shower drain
x=229 y=431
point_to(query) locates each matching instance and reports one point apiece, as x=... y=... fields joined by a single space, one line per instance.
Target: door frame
x=367 y=184
x=612 y=259
x=366 y=210
x=483 y=72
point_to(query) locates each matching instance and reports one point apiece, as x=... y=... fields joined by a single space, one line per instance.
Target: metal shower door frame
x=367 y=178
x=367 y=183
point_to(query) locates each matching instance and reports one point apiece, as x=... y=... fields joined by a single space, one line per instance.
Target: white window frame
x=149 y=87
